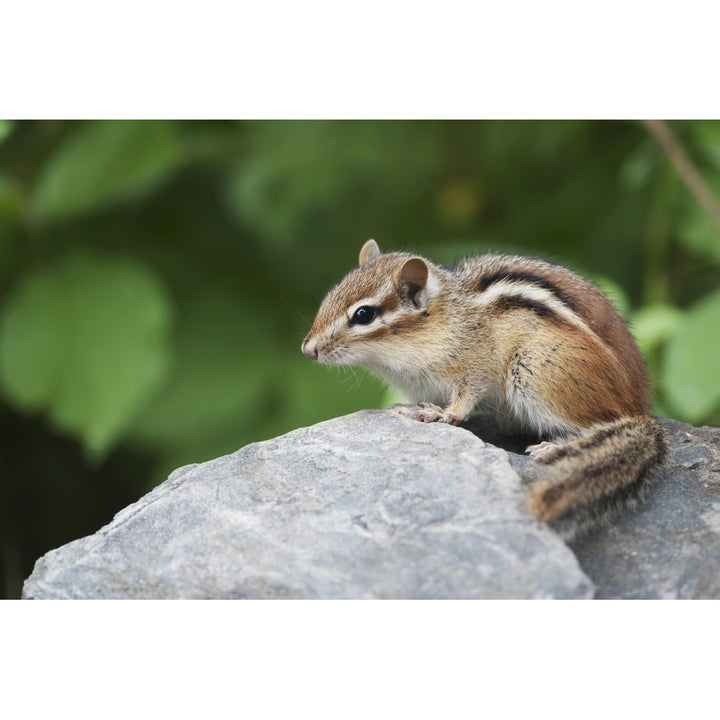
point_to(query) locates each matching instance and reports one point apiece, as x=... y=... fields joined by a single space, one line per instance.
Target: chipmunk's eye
x=363 y=315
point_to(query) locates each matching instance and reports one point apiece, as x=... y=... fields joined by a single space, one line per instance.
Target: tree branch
x=689 y=174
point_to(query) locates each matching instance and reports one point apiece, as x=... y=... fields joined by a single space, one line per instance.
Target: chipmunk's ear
x=370 y=251
x=413 y=277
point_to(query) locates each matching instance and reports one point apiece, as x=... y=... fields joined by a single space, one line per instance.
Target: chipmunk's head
x=367 y=316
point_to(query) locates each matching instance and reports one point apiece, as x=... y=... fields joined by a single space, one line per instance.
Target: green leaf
x=301 y=172
x=637 y=169
x=654 y=324
x=691 y=371
x=104 y=162
x=87 y=342
x=699 y=234
x=223 y=346
x=10 y=199
x=6 y=128
x=617 y=296
x=707 y=136
x=696 y=231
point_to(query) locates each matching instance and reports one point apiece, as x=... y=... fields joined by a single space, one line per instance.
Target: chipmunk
x=532 y=343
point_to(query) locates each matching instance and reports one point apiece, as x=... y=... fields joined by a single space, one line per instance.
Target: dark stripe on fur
x=516 y=302
x=395 y=328
x=581 y=445
x=527 y=277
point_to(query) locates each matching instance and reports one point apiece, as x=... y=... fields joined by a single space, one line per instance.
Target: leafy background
x=157 y=277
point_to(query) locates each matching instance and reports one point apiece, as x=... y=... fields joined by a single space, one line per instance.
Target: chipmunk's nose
x=309 y=348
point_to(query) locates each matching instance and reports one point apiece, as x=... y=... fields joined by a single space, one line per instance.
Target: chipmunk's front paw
x=424 y=412
x=428 y=413
x=452 y=419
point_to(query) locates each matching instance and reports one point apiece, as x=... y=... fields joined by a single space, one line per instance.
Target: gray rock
x=371 y=505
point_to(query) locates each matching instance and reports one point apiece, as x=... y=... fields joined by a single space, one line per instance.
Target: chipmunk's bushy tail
x=591 y=477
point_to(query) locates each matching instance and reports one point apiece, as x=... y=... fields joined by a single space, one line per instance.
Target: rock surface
x=374 y=505
x=371 y=505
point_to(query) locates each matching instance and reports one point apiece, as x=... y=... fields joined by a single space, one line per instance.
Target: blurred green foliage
x=157 y=277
